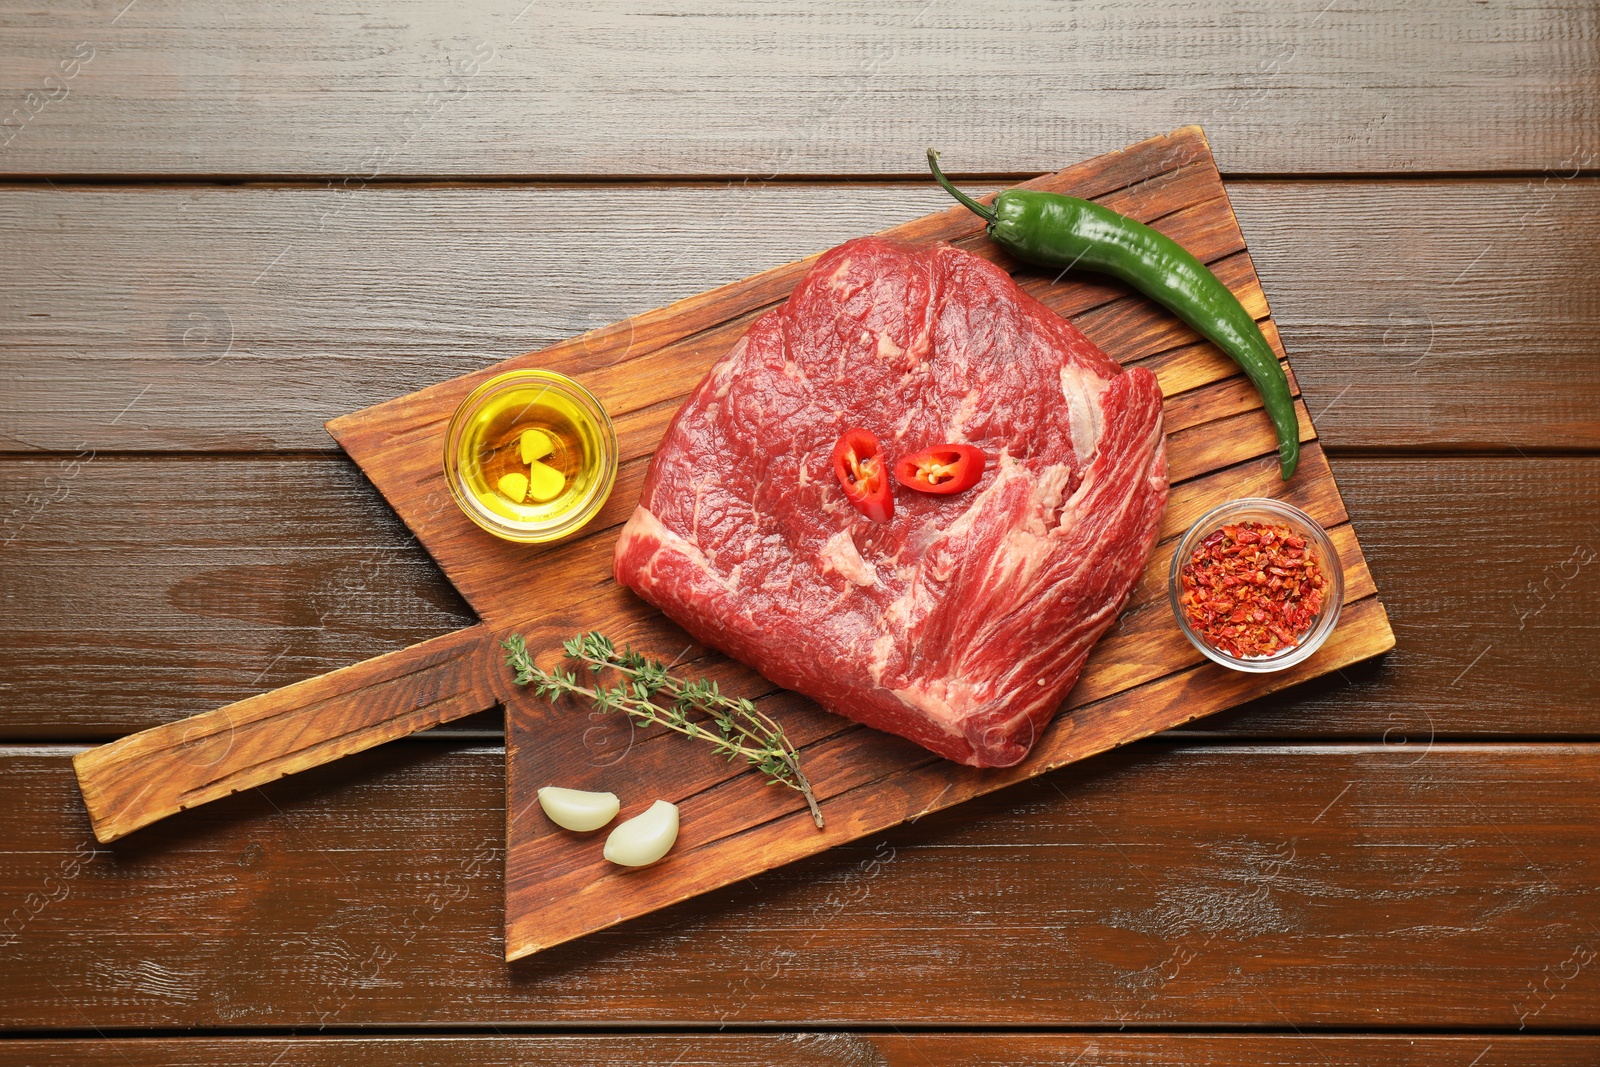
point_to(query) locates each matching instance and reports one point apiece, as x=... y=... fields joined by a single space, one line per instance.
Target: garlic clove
x=545 y=482
x=514 y=485
x=574 y=809
x=644 y=838
x=534 y=444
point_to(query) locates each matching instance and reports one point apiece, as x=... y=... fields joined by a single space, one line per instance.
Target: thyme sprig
x=650 y=695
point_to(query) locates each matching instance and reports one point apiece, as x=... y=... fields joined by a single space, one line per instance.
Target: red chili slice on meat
x=859 y=462
x=941 y=469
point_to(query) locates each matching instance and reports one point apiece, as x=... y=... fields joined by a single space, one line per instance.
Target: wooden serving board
x=1142 y=678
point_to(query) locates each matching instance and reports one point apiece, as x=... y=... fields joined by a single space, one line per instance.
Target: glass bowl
x=482 y=446
x=1277 y=513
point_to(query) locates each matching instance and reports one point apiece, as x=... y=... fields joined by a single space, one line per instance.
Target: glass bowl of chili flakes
x=1256 y=585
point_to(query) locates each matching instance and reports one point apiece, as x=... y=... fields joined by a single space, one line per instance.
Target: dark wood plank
x=1312 y=885
x=215 y=579
x=1545 y=116
x=1427 y=361
x=822 y=1050
x=152 y=590
x=1440 y=543
x=791 y=88
x=1419 y=314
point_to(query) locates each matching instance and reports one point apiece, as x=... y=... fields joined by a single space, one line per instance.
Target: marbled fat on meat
x=963 y=622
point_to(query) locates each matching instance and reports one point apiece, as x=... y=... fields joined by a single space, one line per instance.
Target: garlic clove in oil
x=545 y=482
x=514 y=485
x=534 y=444
x=644 y=838
x=574 y=809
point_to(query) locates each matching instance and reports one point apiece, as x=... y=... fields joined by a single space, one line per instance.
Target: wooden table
x=225 y=223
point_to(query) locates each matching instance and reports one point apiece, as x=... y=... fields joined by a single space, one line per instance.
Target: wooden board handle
x=158 y=772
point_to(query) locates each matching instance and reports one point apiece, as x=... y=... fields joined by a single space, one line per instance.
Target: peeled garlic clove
x=534 y=444
x=574 y=809
x=644 y=838
x=544 y=481
x=514 y=485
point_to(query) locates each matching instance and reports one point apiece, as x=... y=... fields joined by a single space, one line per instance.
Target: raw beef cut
x=963 y=621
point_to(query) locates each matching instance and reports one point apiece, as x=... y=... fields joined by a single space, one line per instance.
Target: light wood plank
x=152 y=774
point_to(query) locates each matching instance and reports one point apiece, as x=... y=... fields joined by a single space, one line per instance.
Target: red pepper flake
x=1252 y=589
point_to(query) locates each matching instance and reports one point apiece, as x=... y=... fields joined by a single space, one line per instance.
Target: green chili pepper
x=1052 y=230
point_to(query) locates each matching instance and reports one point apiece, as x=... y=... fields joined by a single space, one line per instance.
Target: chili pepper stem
x=983 y=211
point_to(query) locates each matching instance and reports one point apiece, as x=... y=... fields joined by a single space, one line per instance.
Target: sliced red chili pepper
x=941 y=469
x=859 y=462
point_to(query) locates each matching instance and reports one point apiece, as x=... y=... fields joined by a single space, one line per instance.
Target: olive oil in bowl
x=530 y=456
